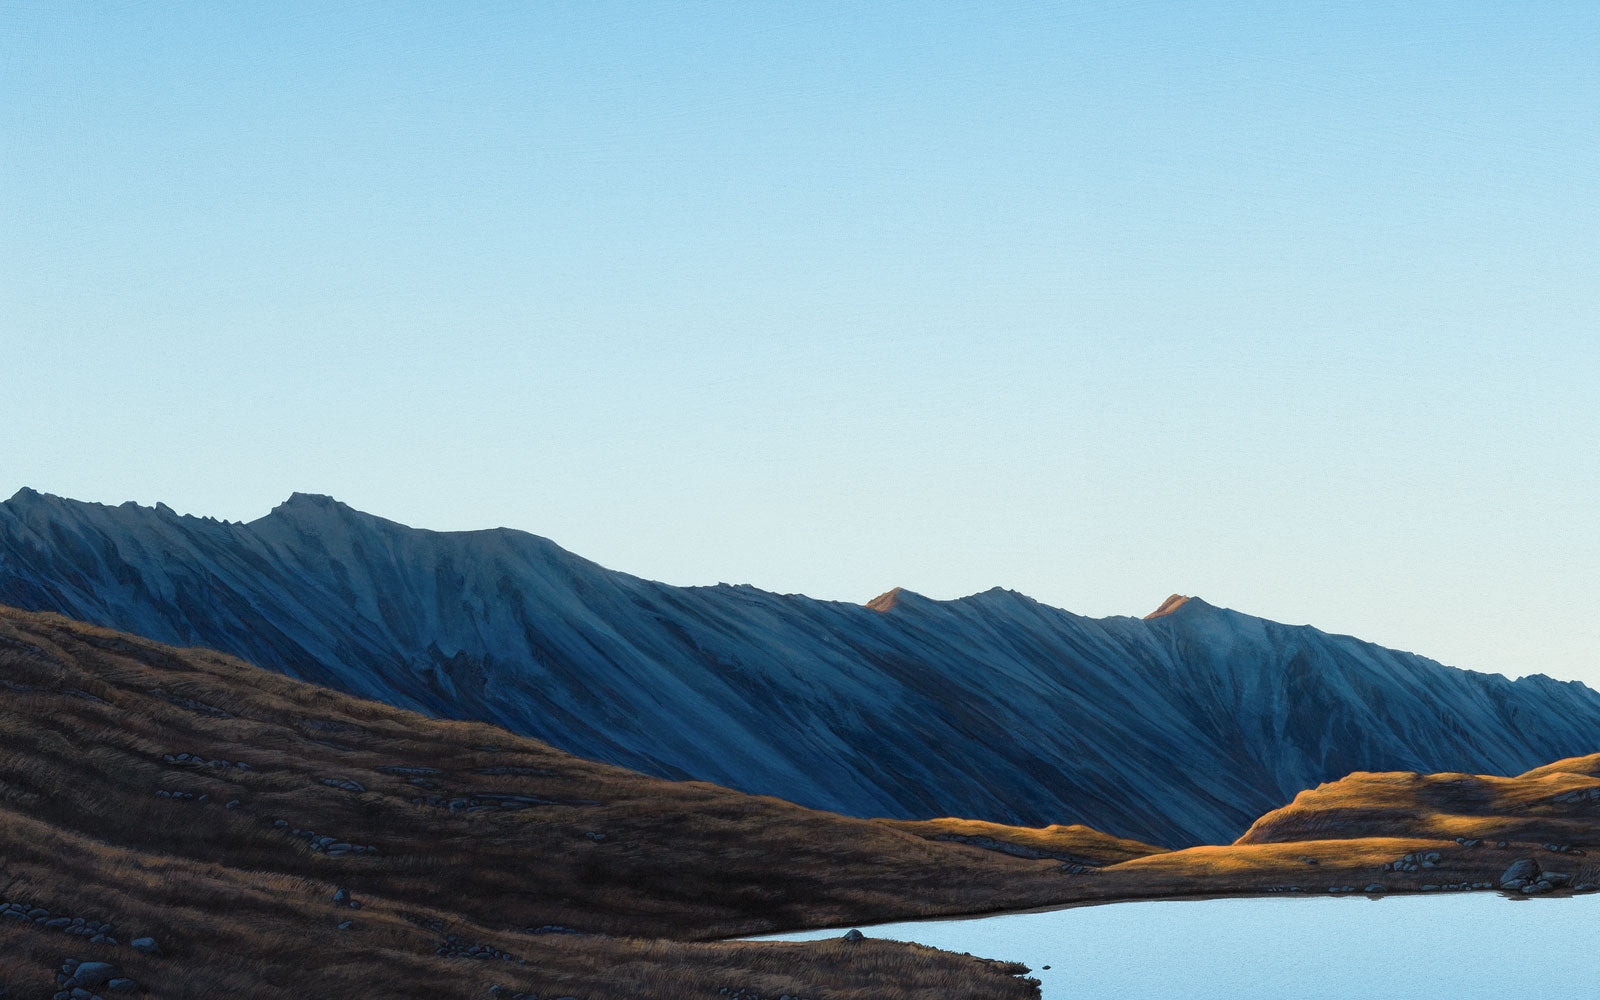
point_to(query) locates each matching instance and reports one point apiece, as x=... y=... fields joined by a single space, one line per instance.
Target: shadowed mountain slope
x=1177 y=729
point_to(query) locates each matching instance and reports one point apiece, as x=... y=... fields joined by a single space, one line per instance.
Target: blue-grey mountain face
x=1178 y=729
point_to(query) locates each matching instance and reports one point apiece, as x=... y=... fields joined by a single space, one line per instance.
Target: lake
x=1461 y=946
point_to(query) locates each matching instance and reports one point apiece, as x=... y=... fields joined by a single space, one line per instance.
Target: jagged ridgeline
x=1177 y=729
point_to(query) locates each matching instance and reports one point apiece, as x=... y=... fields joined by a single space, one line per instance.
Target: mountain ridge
x=992 y=706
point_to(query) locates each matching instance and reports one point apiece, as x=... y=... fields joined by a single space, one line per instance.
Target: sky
x=1289 y=305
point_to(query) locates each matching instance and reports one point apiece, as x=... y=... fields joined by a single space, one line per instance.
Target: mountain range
x=1177 y=729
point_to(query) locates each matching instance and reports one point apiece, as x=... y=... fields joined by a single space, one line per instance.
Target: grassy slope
x=1072 y=844
x=1354 y=825
x=1559 y=803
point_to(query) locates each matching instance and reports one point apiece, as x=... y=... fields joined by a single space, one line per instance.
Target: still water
x=1466 y=946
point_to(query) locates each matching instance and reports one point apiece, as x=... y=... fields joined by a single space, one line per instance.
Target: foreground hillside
x=260 y=837
x=1180 y=729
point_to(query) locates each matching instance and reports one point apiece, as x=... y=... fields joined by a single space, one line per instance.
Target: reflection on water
x=1467 y=946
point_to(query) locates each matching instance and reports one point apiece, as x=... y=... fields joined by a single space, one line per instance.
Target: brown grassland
x=485 y=838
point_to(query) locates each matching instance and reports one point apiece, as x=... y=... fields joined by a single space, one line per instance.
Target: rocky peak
x=1169 y=605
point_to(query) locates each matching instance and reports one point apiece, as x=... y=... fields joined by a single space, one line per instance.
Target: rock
x=1521 y=872
x=1375 y=887
x=94 y=975
x=122 y=985
x=854 y=935
x=341 y=895
x=145 y=946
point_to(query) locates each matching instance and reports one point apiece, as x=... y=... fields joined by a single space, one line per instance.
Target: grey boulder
x=1522 y=872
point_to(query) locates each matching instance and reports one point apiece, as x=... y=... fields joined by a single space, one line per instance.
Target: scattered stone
x=1375 y=887
x=195 y=760
x=324 y=844
x=182 y=796
x=93 y=975
x=487 y=801
x=454 y=947
x=1413 y=862
x=854 y=935
x=98 y=932
x=550 y=929
x=146 y=946
x=1522 y=872
x=345 y=784
x=738 y=994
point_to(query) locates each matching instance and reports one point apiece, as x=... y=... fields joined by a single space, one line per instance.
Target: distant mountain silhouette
x=1177 y=729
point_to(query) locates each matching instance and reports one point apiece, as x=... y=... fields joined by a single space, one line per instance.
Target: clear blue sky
x=1293 y=306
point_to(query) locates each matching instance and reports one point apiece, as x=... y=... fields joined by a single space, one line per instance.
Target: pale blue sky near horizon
x=1289 y=305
